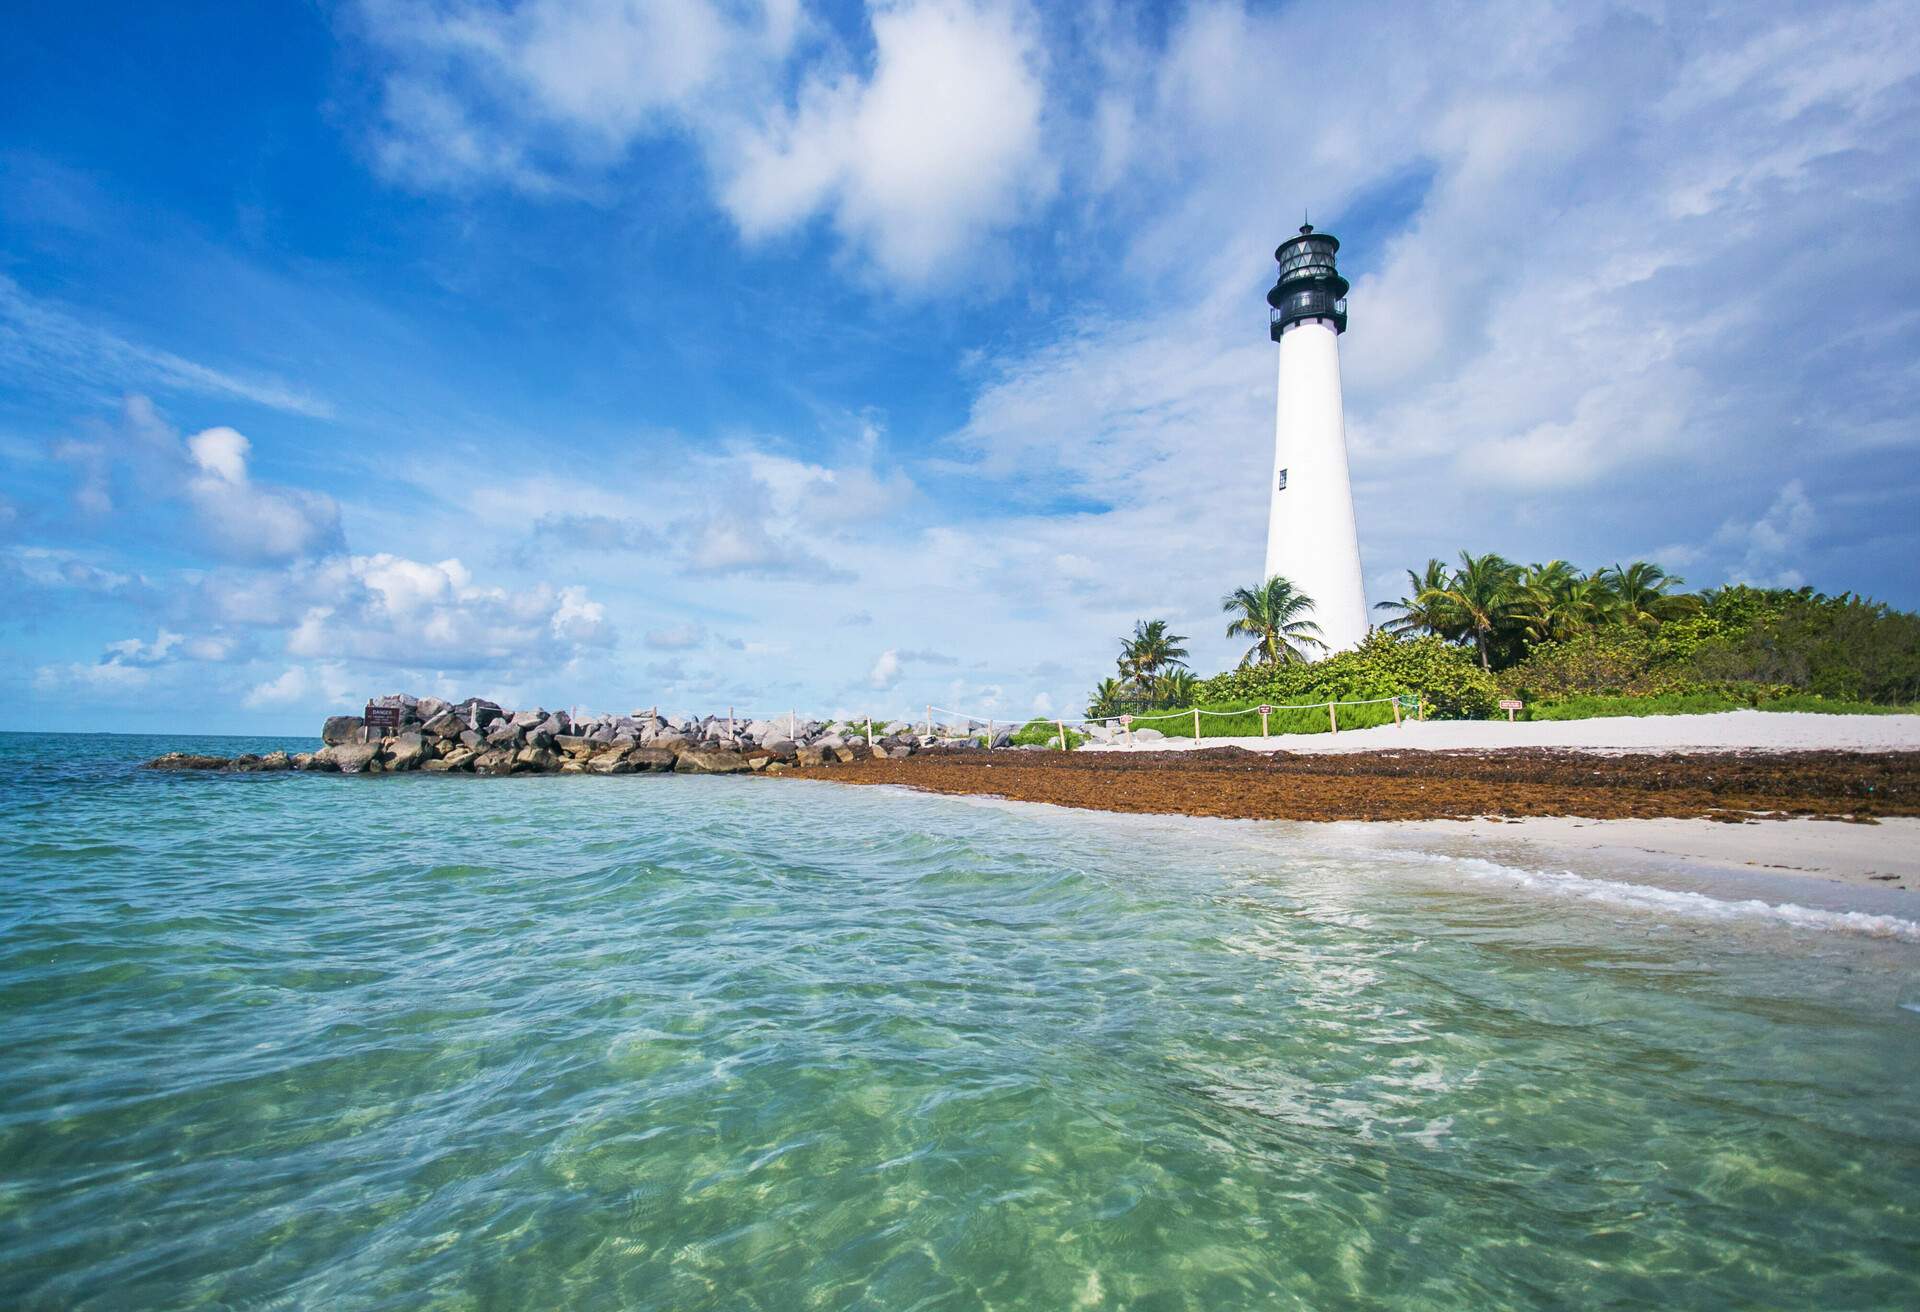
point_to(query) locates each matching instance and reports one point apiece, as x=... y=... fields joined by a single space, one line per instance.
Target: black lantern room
x=1310 y=288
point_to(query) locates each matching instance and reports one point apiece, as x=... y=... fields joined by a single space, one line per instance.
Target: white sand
x=1830 y=850
x=1772 y=731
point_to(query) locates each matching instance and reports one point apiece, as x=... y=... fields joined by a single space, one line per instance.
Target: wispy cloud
x=49 y=346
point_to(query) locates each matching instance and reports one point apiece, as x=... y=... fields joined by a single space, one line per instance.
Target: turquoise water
x=690 y=1043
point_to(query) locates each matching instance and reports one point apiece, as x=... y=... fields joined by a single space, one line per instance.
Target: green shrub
x=1706 y=701
x=1044 y=733
x=1446 y=678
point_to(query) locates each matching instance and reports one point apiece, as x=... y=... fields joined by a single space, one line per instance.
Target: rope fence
x=1404 y=706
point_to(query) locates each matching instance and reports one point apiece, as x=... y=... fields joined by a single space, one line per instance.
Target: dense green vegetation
x=1622 y=640
x=1700 y=703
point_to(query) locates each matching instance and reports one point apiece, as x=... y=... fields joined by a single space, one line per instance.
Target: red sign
x=1511 y=705
x=385 y=717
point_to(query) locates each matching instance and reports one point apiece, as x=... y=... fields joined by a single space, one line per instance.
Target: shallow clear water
x=687 y=1043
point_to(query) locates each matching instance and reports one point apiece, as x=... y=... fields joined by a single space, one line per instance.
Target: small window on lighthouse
x=1283 y=482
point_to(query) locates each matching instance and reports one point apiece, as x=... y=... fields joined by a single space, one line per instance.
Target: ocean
x=659 y=1042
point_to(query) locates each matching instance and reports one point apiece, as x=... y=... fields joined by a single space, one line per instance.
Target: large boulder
x=505 y=733
x=354 y=758
x=271 y=763
x=342 y=729
x=478 y=712
x=780 y=749
x=652 y=758
x=611 y=763
x=409 y=751
x=702 y=762
x=445 y=725
x=458 y=758
x=573 y=744
x=495 y=760
x=1147 y=735
x=535 y=760
x=814 y=755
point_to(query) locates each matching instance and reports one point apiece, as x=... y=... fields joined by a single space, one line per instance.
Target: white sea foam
x=1669 y=901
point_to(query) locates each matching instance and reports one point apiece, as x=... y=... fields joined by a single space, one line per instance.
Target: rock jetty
x=477 y=736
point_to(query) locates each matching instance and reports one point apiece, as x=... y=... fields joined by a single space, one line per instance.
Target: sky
x=782 y=356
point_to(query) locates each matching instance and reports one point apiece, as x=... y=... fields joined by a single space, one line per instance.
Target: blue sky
x=776 y=355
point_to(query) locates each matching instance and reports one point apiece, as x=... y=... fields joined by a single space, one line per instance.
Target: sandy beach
x=1813 y=801
x=1883 y=856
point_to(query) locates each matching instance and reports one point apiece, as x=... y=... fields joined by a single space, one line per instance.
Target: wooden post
x=793 y=729
x=1396 y=712
x=1420 y=706
x=1196 y=726
x=1263 y=720
x=1333 y=719
x=929 y=721
x=869 y=735
x=732 y=737
x=1126 y=724
x=989 y=733
x=1063 y=734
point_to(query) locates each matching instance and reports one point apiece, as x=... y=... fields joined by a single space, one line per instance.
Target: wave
x=1652 y=897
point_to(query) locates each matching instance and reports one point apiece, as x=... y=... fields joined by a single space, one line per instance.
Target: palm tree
x=1274 y=616
x=1561 y=601
x=1179 y=688
x=1641 y=598
x=1106 y=696
x=1424 y=608
x=1150 y=650
x=1487 y=595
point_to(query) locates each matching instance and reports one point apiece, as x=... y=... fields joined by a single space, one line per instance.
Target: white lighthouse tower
x=1311 y=540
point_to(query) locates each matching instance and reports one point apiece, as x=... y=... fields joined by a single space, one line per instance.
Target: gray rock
x=611 y=763
x=354 y=758
x=341 y=729
x=472 y=741
x=495 y=760
x=702 y=762
x=188 y=761
x=445 y=725
x=460 y=758
x=535 y=760
x=652 y=758
x=505 y=733
x=478 y=712
x=1147 y=735
x=409 y=752
x=311 y=761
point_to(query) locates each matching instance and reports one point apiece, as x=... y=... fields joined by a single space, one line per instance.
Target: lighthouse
x=1311 y=539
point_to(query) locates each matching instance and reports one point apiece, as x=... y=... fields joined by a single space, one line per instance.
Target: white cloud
x=885 y=673
x=1768 y=547
x=940 y=145
x=388 y=609
x=252 y=520
x=916 y=161
x=325 y=684
x=542 y=94
x=44 y=344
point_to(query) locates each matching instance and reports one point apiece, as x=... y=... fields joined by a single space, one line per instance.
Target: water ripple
x=275 y=1041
